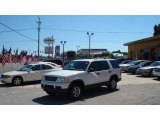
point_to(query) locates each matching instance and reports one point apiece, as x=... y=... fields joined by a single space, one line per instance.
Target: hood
x=14 y=73
x=148 y=67
x=64 y=73
x=157 y=67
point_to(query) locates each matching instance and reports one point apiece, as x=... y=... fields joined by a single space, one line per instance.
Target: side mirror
x=29 y=70
x=91 y=70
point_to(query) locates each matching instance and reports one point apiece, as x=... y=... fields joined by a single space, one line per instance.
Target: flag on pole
x=4 y=57
x=30 y=59
x=23 y=60
x=36 y=59
x=15 y=58
x=9 y=57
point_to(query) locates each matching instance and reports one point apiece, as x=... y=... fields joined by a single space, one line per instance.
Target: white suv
x=82 y=74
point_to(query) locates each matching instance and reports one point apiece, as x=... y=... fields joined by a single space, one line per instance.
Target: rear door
x=100 y=72
x=104 y=70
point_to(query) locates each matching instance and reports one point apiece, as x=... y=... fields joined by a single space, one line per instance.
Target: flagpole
x=3 y=68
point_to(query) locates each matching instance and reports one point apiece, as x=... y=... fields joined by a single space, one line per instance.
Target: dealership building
x=147 y=48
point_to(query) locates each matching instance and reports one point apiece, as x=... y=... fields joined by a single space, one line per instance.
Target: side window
x=147 y=64
x=103 y=65
x=93 y=66
x=46 y=67
x=99 y=65
x=114 y=64
x=36 y=67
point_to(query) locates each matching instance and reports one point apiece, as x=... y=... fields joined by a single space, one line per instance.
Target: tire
x=150 y=73
x=112 y=84
x=17 y=81
x=50 y=93
x=75 y=91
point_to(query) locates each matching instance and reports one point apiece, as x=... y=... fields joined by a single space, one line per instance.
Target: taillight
x=62 y=65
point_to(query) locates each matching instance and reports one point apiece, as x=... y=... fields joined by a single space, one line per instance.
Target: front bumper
x=55 y=89
x=156 y=74
x=6 y=80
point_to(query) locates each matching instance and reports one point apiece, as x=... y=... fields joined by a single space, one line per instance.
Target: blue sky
x=110 y=32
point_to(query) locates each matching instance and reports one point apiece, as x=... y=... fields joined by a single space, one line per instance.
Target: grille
x=49 y=78
x=157 y=70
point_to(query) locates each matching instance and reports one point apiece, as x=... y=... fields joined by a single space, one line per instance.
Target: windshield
x=143 y=63
x=76 y=65
x=132 y=62
x=25 y=68
x=155 y=64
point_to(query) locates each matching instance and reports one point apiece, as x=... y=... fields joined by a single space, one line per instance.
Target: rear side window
x=99 y=65
x=46 y=67
x=114 y=64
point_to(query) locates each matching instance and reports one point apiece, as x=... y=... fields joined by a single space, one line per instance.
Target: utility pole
x=52 y=45
x=39 y=23
x=89 y=35
x=63 y=43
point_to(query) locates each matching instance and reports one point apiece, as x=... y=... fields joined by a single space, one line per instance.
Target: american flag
x=23 y=60
x=4 y=57
x=35 y=59
x=9 y=56
x=30 y=59
x=15 y=58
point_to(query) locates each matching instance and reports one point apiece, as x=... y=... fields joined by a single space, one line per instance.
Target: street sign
x=48 y=49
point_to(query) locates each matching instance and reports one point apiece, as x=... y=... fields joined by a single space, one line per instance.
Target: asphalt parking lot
x=132 y=90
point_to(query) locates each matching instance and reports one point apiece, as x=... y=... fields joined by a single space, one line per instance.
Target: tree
x=71 y=55
x=105 y=54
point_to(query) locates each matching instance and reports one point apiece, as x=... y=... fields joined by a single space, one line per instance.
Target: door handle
x=98 y=73
x=109 y=71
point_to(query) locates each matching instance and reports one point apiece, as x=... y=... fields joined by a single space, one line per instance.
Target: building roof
x=94 y=49
x=142 y=40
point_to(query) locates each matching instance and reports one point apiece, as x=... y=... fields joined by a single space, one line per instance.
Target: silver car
x=30 y=72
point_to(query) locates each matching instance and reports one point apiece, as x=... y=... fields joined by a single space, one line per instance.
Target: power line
x=102 y=32
x=18 y=32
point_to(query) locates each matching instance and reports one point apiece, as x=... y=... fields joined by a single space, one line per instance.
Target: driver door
x=35 y=73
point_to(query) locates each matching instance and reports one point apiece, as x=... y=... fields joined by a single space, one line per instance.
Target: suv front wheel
x=75 y=91
x=112 y=84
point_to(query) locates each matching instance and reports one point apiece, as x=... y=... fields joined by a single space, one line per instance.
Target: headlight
x=62 y=80
x=5 y=76
x=148 y=70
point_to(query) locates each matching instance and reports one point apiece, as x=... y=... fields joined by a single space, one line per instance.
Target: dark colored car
x=57 y=61
x=133 y=69
x=126 y=61
x=66 y=62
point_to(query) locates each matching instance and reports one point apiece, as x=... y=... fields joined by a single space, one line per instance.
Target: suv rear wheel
x=112 y=84
x=75 y=91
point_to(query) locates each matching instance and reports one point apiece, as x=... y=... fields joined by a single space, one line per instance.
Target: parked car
x=148 y=71
x=124 y=67
x=57 y=61
x=66 y=62
x=125 y=62
x=132 y=69
x=156 y=71
x=30 y=72
x=82 y=74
